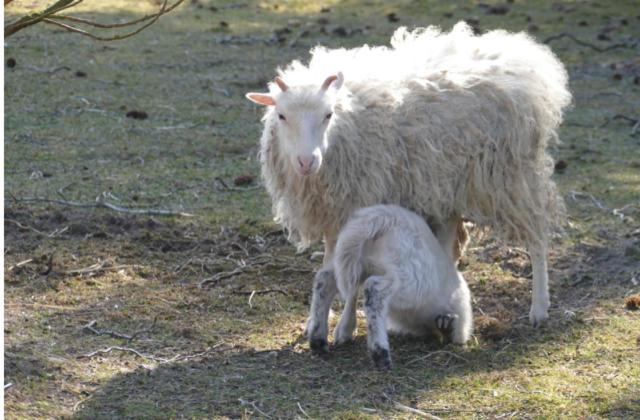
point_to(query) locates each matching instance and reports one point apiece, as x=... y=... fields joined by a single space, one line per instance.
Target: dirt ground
x=111 y=314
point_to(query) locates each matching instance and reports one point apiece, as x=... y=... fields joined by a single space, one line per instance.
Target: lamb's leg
x=377 y=292
x=453 y=237
x=347 y=324
x=324 y=291
x=540 y=295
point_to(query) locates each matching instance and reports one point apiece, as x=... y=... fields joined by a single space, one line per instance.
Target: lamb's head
x=302 y=115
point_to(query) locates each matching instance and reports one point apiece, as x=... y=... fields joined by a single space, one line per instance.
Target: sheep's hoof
x=381 y=358
x=537 y=317
x=444 y=323
x=319 y=346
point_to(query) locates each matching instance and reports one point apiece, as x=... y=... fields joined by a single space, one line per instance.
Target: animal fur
x=446 y=124
x=410 y=284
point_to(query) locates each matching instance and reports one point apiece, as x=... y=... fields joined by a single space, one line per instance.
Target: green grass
x=68 y=137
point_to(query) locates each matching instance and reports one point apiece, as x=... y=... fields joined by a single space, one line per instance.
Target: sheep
x=410 y=284
x=447 y=125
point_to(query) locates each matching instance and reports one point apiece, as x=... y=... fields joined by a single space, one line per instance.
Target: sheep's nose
x=305 y=164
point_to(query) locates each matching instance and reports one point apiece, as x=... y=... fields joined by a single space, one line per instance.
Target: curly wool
x=457 y=125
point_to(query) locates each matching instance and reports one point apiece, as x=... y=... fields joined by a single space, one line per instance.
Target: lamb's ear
x=334 y=80
x=260 y=98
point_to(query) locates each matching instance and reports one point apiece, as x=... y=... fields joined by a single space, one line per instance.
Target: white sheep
x=444 y=124
x=410 y=284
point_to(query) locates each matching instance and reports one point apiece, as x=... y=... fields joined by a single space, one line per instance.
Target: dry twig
x=100 y=203
x=90 y=327
x=584 y=43
x=52 y=16
x=411 y=410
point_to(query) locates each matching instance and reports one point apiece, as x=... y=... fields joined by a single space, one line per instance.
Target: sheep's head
x=303 y=115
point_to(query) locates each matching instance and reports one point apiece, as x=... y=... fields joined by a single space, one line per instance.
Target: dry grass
x=221 y=352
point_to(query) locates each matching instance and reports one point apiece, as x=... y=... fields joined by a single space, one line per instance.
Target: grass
x=232 y=356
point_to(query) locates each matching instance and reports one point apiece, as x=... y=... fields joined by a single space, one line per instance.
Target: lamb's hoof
x=444 y=323
x=381 y=358
x=319 y=346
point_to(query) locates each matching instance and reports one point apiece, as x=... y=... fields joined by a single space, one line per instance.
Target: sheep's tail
x=360 y=231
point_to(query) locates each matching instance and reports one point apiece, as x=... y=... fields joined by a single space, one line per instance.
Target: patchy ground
x=104 y=313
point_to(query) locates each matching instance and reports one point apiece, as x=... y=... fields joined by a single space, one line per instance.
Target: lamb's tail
x=364 y=227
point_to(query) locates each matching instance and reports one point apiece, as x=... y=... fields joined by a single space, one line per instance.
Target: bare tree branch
x=51 y=16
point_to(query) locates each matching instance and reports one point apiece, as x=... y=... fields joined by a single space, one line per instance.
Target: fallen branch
x=584 y=43
x=103 y=204
x=123 y=349
x=160 y=360
x=90 y=327
x=99 y=267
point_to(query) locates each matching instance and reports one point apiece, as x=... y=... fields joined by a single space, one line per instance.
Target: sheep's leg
x=347 y=324
x=324 y=291
x=540 y=295
x=446 y=323
x=453 y=237
x=377 y=293
x=329 y=247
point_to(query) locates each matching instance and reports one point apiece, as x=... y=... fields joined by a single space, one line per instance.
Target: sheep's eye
x=282 y=117
x=328 y=116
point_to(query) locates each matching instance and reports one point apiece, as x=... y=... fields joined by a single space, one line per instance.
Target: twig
x=150 y=212
x=90 y=327
x=51 y=16
x=259 y=292
x=303 y=412
x=123 y=349
x=98 y=267
x=624 y=117
x=20 y=264
x=7 y=386
x=252 y=404
x=221 y=276
x=116 y=25
x=576 y=194
x=411 y=410
x=433 y=353
x=21 y=226
x=103 y=204
x=583 y=43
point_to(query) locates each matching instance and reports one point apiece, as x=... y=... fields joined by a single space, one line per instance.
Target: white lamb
x=444 y=124
x=410 y=284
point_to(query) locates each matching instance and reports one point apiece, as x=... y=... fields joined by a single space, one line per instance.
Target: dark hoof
x=381 y=358
x=319 y=346
x=444 y=323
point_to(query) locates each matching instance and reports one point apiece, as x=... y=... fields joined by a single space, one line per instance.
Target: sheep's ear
x=281 y=84
x=334 y=80
x=260 y=98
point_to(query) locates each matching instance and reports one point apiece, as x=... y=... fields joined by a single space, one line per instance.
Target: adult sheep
x=444 y=124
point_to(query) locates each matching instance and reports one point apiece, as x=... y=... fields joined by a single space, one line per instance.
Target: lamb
x=410 y=284
x=447 y=125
